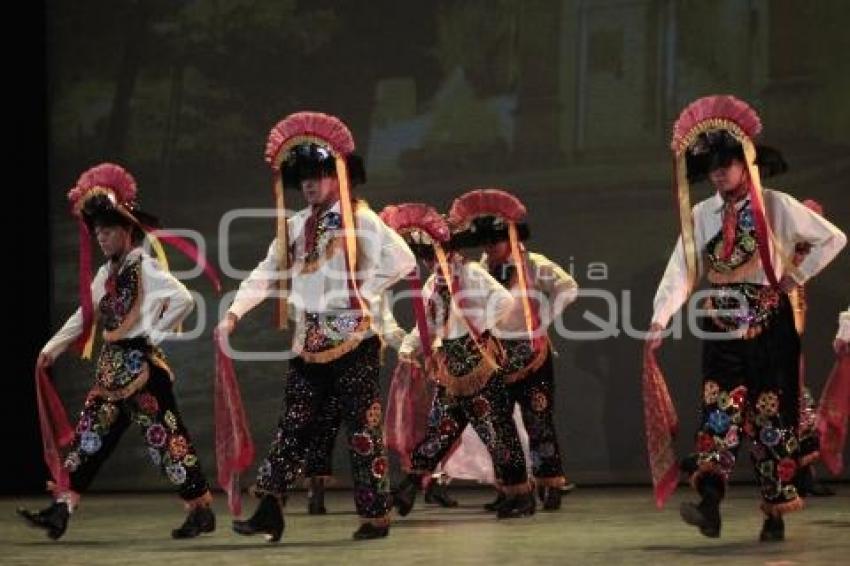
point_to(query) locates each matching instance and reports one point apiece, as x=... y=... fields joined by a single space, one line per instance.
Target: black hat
x=100 y=210
x=312 y=161
x=718 y=148
x=485 y=230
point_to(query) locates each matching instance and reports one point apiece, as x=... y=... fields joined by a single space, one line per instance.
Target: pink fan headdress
x=504 y=205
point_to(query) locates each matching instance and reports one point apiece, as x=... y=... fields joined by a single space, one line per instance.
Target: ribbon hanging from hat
x=799 y=307
x=531 y=317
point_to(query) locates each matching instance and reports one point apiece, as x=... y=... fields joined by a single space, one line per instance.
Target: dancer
x=138 y=302
x=330 y=262
x=751 y=349
x=460 y=304
x=497 y=220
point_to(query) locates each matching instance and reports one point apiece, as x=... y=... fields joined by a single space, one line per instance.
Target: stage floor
x=595 y=526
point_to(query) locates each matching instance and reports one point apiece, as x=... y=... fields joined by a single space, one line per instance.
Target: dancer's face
x=730 y=178
x=320 y=192
x=113 y=240
x=498 y=252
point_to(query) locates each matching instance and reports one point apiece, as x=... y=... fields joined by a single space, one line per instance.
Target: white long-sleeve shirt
x=557 y=286
x=383 y=258
x=791 y=223
x=485 y=302
x=165 y=303
x=391 y=332
x=843 y=333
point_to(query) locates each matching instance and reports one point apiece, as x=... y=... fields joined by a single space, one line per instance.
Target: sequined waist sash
x=462 y=367
x=746 y=308
x=123 y=367
x=521 y=359
x=328 y=336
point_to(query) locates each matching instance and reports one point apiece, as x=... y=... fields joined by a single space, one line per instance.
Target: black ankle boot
x=368 y=531
x=515 y=506
x=438 y=494
x=53 y=519
x=200 y=520
x=565 y=489
x=818 y=489
x=773 y=529
x=551 y=498
x=494 y=505
x=405 y=495
x=808 y=486
x=267 y=519
x=316 y=497
x=706 y=514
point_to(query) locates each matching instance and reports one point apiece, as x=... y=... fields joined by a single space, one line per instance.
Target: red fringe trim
x=779 y=509
x=190 y=251
x=558 y=481
x=516 y=489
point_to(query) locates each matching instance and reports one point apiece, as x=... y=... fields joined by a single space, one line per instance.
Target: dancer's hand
x=43 y=362
x=654 y=337
x=788 y=283
x=430 y=366
x=110 y=336
x=408 y=357
x=841 y=347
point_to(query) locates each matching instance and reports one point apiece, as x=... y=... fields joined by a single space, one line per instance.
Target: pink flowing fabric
x=833 y=412
x=190 y=251
x=661 y=424
x=408 y=404
x=234 y=449
x=56 y=431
